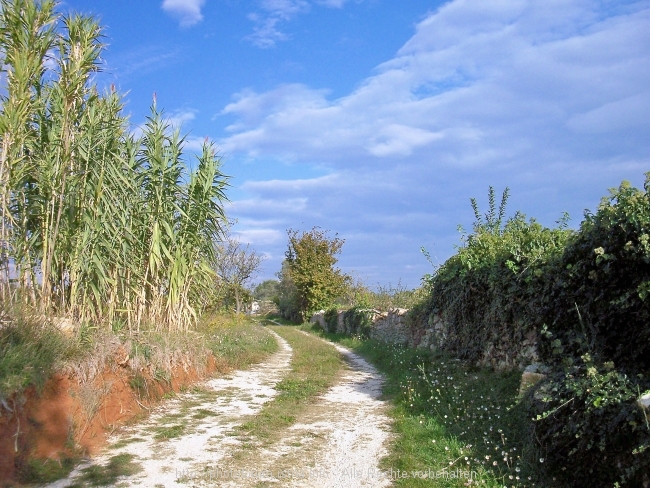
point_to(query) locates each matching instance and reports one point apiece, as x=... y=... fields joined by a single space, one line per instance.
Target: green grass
x=238 y=341
x=203 y=413
x=40 y=471
x=314 y=368
x=277 y=319
x=448 y=415
x=117 y=466
x=29 y=353
x=168 y=432
x=125 y=442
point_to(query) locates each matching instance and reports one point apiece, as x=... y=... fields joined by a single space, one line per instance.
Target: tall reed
x=95 y=224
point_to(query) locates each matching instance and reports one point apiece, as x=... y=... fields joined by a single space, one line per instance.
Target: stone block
x=644 y=401
x=532 y=375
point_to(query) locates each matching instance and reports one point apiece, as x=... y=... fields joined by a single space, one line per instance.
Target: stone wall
x=393 y=327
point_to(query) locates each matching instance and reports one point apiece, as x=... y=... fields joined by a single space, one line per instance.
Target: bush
x=358 y=322
x=597 y=337
x=488 y=292
x=589 y=427
x=586 y=294
x=331 y=319
x=597 y=298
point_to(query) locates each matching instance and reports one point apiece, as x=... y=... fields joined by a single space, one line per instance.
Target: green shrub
x=589 y=427
x=597 y=298
x=597 y=337
x=331 y=319
x=586 y=294
x=358 y=321
x=488 y=292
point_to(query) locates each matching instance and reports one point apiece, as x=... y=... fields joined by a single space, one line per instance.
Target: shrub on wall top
x=598 y=298
x=489 y=290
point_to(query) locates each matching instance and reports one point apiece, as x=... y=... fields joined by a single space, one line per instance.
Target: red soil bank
x=54 y=423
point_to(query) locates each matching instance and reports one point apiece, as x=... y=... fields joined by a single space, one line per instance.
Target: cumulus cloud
x=188 y=12
x=476 y=78
x=549 y=98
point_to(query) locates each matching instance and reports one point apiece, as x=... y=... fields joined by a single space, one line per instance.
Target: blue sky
x=379 y=120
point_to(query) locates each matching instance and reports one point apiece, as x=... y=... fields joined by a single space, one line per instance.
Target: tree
x=287 y=295
x=236 y=265
x=267 y=290
x=310 y=262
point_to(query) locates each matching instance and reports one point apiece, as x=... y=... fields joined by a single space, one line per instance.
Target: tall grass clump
x=29 y=354
x=95 y=224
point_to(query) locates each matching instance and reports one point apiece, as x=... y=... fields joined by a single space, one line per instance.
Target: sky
x=378 y=120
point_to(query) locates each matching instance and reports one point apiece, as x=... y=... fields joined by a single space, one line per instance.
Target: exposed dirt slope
x=70 y=412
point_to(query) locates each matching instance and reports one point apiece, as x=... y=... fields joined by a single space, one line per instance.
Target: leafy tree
x=267 y=290
x=287 y=295
x=310 y=264
x=235 y=266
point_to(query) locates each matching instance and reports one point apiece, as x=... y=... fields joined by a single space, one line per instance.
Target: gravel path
x=340 y=440
x=189 y=441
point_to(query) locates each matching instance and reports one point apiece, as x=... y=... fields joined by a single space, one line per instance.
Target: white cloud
x=549 y=98
x=257 y=237
x=286 y=186
x=621 y=115
x=475 y=77
x=188 y=12
x=266 y=32
x=284 y=9
x=179 y=117
x=400 y=140
x=271 y=206
x=272 y=13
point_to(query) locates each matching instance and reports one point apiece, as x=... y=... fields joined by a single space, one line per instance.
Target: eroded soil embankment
x=71 y=417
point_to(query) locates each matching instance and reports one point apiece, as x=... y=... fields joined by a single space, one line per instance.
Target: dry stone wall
x=391 y=326
x=394 y=327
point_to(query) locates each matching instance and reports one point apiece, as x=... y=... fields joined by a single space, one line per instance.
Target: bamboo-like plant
x=96 y=224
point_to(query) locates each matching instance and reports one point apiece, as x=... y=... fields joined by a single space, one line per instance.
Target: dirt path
x=190 y=440
x=336 y=443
